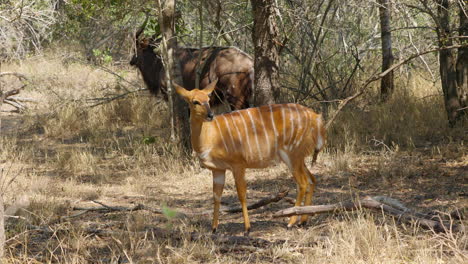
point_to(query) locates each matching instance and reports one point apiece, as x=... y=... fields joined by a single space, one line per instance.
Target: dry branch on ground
x=372 y=203
x=179 y=213
x=7 y=96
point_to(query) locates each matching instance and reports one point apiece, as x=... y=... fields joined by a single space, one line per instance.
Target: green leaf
x=168 y=212
x=148 y=140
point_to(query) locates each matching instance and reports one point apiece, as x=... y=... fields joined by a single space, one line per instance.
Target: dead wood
x=4 y=95
x=370 y=203
x=261 y=203
x=178 y=213
x=23 y=99
x=290 y=200
x=16 y=74
x=19 y=106
x=107 y=208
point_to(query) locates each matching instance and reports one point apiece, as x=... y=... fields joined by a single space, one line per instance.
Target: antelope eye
x=196 y=102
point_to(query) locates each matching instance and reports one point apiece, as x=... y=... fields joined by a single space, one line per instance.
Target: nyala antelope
x=254 y=138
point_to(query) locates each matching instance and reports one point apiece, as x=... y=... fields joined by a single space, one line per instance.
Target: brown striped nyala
x=254 y=138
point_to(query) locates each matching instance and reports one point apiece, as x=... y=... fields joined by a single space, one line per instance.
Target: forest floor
x=62 y=154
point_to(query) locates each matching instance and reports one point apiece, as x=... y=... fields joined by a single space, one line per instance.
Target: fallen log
x=370 y=203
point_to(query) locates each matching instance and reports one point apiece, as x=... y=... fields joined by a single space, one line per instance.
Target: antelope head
x=198 y=100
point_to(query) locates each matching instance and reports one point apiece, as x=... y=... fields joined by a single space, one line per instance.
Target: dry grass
x=63 y=154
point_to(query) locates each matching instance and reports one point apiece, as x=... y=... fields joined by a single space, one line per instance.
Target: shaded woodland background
x=83 y=128
x=326 y=49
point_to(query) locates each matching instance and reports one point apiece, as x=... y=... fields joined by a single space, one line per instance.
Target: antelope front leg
x=219 y=177
x=241 y=186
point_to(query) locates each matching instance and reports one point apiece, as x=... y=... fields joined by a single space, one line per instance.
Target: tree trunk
x=180 y=129
x=264 y=36
x=462 y=62
x=448 y=74
x=386 y=84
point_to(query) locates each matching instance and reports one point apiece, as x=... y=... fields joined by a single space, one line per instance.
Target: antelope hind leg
x=301 y=180
x=310 y=192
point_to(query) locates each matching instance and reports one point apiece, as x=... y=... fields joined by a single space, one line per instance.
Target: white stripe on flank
x=319 y=136
x=239 y=137
x=220 y=133
x=284 y=124
x=305 y=130
x=246 y=134
x=274 y=129
x=299 y=126
x=266 y=133
x=291 y=119
x=228 y=128
x=298 y=116
x=255 y=132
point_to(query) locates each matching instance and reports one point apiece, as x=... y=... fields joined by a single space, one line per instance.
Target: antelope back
x=253 y=137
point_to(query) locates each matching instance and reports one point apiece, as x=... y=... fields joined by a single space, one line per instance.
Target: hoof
x=247 y=233
x=213 y=230
x=303 y=224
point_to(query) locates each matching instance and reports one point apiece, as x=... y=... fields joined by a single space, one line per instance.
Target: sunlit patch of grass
x=409 y=118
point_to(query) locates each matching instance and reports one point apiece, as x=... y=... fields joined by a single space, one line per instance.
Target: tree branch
x=373 y=204
x=5 y=95
x=376 y=77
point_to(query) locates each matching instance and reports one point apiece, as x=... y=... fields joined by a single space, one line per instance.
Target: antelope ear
x=182 y=92
x=210 y=88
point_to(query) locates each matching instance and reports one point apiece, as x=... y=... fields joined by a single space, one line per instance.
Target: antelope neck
x=197 y=125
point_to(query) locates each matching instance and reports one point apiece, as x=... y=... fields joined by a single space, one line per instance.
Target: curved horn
x=137 y=34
